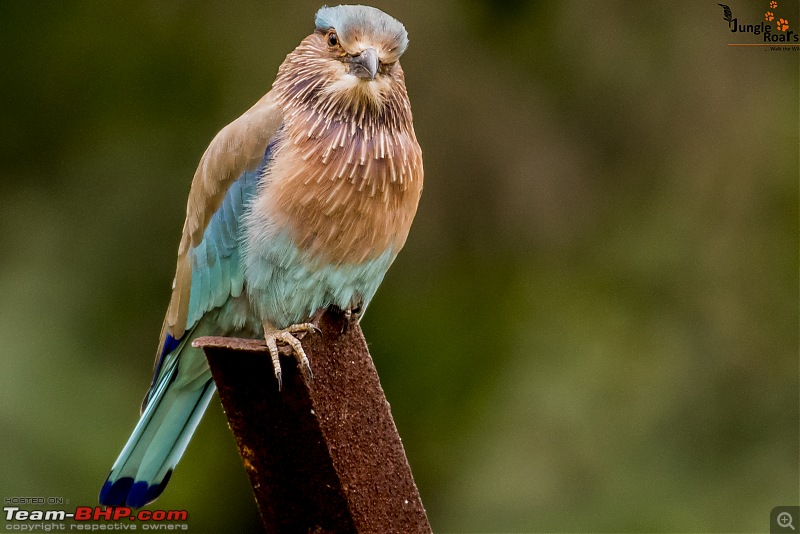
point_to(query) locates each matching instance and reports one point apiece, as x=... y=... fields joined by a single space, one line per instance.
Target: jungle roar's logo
x=779 y=33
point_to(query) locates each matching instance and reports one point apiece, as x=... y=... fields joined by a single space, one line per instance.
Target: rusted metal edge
x=323 y=455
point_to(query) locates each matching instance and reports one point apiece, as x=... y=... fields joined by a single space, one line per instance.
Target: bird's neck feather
x=346 y=176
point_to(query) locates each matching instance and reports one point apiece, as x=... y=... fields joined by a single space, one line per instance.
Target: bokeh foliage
x=593 y=327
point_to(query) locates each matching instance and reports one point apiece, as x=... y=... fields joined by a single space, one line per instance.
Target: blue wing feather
x=182 y=385
x=217 y=252
x=213 y=283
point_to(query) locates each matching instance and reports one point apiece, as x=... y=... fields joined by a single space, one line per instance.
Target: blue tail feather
x=175 y=406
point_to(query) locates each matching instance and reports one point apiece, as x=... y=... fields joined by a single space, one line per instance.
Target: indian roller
x=299 y=205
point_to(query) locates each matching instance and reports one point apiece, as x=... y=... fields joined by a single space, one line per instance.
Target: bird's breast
x=345 y=194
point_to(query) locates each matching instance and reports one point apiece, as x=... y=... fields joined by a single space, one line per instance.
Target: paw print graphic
x=783 y=25
x=773 y=4
x=769 y=16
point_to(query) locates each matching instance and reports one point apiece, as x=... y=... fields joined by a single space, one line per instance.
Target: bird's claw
x=289 y=337
x=350 y=315
x=313 y=329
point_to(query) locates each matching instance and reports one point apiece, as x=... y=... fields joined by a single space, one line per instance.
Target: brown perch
x=323 y=455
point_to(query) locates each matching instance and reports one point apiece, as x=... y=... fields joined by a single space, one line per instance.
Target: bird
x=299 y=205
x=727 y=14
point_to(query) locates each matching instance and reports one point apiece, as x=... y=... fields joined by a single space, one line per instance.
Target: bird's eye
x=333 y=39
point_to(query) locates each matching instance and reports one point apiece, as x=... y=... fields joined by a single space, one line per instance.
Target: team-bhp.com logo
x=774 y=28
x=87 y=518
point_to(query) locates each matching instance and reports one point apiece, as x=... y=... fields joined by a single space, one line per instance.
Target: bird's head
x=366 y=42
x=351 y=59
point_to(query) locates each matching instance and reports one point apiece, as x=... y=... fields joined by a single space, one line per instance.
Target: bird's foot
x=350 y=315
x=290 y=336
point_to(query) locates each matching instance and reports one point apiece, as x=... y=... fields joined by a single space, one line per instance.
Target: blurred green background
x=593 y=326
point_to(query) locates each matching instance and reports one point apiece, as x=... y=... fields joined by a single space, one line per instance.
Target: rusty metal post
x=323 y=455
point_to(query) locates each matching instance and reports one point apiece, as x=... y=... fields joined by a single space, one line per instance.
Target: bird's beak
x=365 y=65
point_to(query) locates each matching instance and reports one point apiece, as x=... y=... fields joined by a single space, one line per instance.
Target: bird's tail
x=176 y=403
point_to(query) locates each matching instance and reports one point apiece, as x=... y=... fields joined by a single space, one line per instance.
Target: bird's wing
x=208 y=270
